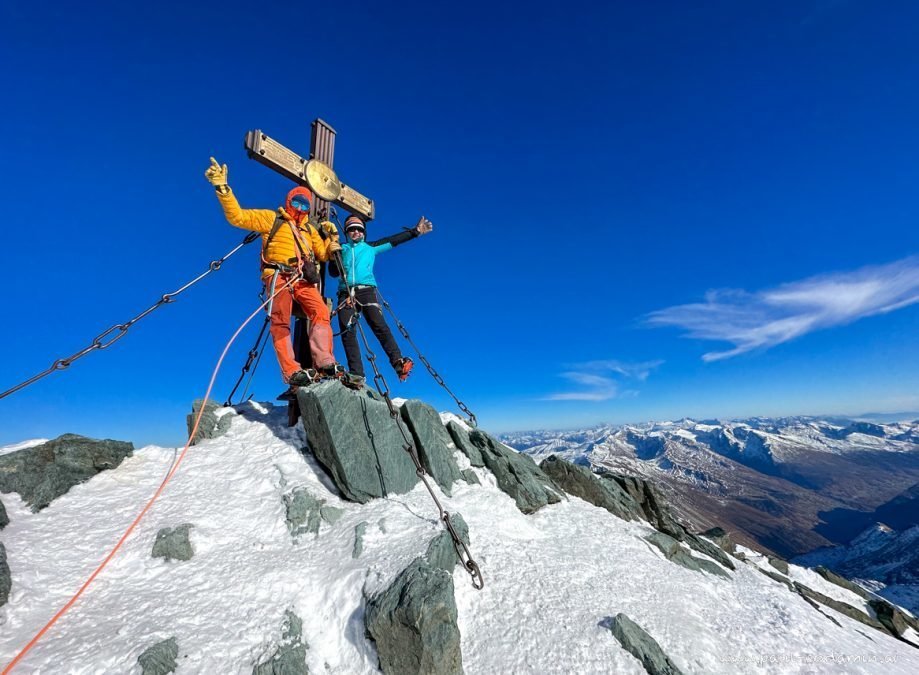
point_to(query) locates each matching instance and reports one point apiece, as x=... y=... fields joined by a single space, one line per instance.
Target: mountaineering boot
x=303 y=378
x=403 y=367
x=333 y=370
x=353 y=381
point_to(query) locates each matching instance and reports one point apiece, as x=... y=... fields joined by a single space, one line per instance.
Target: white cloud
x=597 y=385
x=770 y=317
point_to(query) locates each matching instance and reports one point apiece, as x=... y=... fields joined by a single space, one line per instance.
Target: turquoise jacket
x=358 y=260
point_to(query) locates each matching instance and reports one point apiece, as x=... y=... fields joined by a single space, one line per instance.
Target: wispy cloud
x=770 y=317
x=597 y=382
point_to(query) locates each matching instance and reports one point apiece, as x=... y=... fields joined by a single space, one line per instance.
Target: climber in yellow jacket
x=291 y=250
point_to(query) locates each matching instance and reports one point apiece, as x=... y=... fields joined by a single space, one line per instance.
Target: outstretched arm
x=423 y=226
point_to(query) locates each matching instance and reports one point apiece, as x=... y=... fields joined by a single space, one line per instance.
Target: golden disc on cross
x=322 y=180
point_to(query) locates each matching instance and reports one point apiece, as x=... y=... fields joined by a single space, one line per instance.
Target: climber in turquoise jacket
x=357 y=293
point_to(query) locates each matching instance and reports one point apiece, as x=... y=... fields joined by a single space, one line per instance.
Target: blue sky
x=644 y=210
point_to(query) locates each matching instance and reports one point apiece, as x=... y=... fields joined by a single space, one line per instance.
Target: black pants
x=366 y=296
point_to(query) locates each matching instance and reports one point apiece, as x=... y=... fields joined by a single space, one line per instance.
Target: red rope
x=63 y=610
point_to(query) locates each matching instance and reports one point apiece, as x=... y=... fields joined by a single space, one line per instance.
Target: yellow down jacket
x=282 y=247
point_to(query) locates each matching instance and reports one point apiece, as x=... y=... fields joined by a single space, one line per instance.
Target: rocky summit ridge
x=315 y=549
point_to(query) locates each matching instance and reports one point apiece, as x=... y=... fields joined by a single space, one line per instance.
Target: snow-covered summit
x=553 y=578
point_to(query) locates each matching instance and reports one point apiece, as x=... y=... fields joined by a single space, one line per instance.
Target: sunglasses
x=300 y=203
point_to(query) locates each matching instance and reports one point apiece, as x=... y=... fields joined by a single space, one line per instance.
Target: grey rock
x=290 y=657
x=674 y=552
x=303 y=512
x=652 y=504
x=441 y=553
x=516 y=474
x=841 y=607
x=4 y=519
x=470 y=476
x=580 y=481
x=413 y=623
x=6 y=580
x=210 y=425
x=721 y=538
x=641 y=645
x=160 y=658
x=356 y=440
x=461 y=439
x=173 y=543
x=43 y=473
x=778 y=577
x=432 y=442
x=895 y=621
x=359 y=531
x=331 y=514
x=704 y=546
x=834 y=578
x=779 y=564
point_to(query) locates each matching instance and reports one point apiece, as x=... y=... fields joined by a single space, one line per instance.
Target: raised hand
x=423 y=226
x=216 y=174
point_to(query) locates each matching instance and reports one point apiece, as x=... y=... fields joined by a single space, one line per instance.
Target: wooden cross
x=317 y=174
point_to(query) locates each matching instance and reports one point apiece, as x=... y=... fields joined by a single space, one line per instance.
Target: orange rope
x=63 y=610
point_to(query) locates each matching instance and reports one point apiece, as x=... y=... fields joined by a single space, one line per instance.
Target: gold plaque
x=322 y=180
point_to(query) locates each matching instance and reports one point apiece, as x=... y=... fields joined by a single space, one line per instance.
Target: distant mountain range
x=787 y=485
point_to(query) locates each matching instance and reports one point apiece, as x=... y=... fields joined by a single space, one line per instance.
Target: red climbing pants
x=320 y=333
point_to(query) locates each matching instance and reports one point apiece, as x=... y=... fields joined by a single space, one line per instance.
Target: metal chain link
x=99 y=342
x=427 y=364
x=255 y=354
x=462 y=550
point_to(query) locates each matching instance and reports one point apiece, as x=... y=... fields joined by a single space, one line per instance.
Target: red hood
x=291 y=211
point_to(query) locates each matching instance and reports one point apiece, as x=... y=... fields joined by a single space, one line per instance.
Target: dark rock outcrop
x=516 y=474
x=779 y=564
x=413 y=621
x=461 y=439
x=355 y=439
x=653 y=507
x=641 y=645
x=6 y=580
x=580 y=482
x=775 y=576
x=4 y=519
x=841 y=607
x=674 y=552
x=290 y=657
x=834 y=578
x=210 y=425
x=432 y=442
x=173 y=543
x=470 y=477
x=160 y=659
x=43 y=473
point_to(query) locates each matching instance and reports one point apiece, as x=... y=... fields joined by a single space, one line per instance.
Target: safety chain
x=427 y=364
x=462 y=550
x=103 y=340
x=255 y=354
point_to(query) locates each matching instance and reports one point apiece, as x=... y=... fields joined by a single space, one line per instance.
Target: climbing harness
x=105 y=338
x=175 y=467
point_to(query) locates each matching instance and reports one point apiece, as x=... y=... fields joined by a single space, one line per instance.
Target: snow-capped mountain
x=259 y=584
x=790 y=485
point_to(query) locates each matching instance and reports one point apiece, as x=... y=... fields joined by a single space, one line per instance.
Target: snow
x=6 y=449
x=552 y=579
